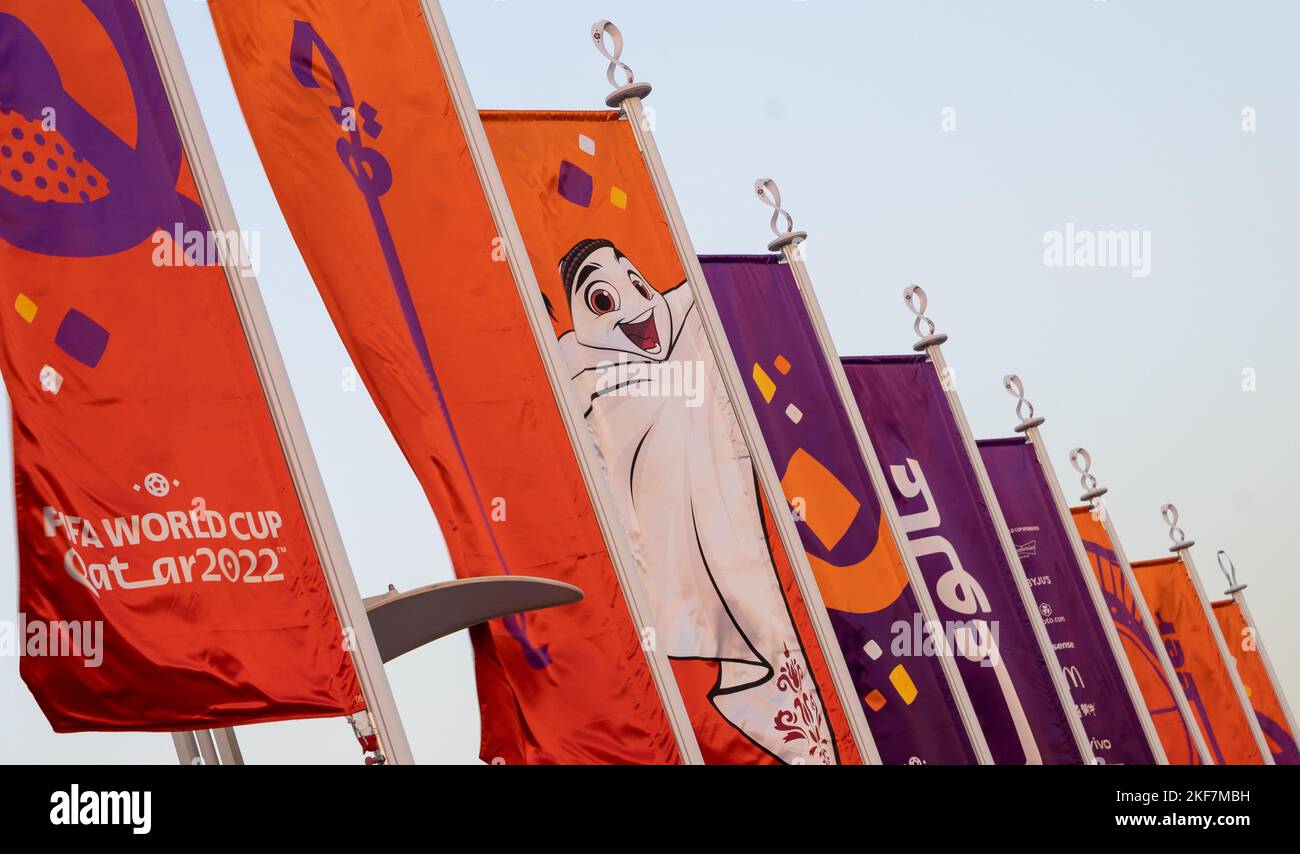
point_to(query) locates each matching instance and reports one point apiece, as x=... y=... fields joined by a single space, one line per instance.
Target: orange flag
x=1244 y=645
x=1193 y=649
x=168 y=579
x=358 y=130
x=1139 y=640
x=727 y=608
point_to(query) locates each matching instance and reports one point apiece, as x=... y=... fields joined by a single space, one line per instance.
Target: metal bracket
x=405 y=621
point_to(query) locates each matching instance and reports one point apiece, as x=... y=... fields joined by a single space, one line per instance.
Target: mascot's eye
x=640 y=286
x=601 y=301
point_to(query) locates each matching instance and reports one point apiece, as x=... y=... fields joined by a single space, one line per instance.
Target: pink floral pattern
x=804 y=721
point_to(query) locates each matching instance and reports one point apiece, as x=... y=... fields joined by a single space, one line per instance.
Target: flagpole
x=207 y=749
x=628 y=98
x=1182 y=547
x=790 y=243
x=1238 y=593
x=571 y=409
x=274 y=378
x=187 y=748
x=930 y=343
x=227 y=746
x=1029 y=425
x=1081 y=460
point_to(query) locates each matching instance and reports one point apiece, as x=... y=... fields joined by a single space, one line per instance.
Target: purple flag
x=1096 y=681
x=952 y=532
x=858 y=566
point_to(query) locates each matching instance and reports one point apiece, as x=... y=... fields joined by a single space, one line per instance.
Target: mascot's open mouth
x=643 y=333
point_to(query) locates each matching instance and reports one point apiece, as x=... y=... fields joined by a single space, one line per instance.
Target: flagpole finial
x=1024 y=409
x=1081 y=460
x=1169 y=513
x=1229 y=572
x=770 y=194
x=613 y=51
x=916 y=300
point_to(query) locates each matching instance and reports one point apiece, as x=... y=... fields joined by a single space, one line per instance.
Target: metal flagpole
x=275 y=384
x=212 y=746
x=228 y=746
x=187 y=748
x=571 y=410
x=1029 y=425
x=207 y=749
x=1238 y=593
x=930 y=344
x=1082 y=462
x=1182 y=547
x=790 y=243
x=628 y=98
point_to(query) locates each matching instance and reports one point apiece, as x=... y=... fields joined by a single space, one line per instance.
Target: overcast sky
x=937 y=143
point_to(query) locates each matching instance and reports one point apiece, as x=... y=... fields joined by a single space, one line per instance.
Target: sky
x=931 y=143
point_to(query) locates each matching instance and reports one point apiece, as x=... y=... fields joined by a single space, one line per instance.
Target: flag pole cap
x=790 y=238
x=1229 y=572
x=916 y=300
x=1024 y=409
x=1081 y=460
x=632 y=90
x=770 y=194
x=1180 y=542
x=613 y=51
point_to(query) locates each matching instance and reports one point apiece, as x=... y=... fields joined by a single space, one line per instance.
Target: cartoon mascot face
x=613 y=306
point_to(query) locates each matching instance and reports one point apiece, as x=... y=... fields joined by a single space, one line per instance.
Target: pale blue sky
x=1111 y=115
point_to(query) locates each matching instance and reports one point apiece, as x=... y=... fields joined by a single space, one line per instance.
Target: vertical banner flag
x=358 y=130
x=1245 y=646
x=727 y=609
x=168 y=578
x=1194 y=651
x=1159 y=691
x=950 y=528
x=844 y=532
x=1096 y=682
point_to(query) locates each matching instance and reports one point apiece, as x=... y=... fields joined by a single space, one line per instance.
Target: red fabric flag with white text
x=168 y=578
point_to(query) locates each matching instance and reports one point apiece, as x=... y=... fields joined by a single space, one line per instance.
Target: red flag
x=156 y=512
x=358 y=130
x=1159 y=690
x=1265 y=698
x=1193 y=649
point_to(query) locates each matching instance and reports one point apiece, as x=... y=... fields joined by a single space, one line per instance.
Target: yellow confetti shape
x=903 y=684
x=764 y=382
x=25 y=307
x=618 y=198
